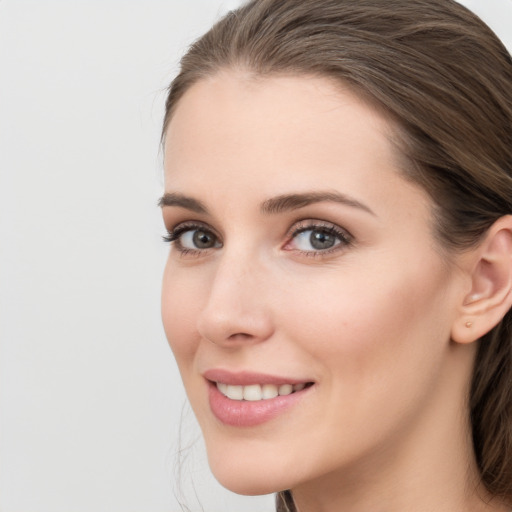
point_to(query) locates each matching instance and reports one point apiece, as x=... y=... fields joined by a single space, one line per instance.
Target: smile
x=247 y=399
x=257 y=392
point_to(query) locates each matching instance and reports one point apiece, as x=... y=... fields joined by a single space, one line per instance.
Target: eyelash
x=173 y=237
x=344 y=238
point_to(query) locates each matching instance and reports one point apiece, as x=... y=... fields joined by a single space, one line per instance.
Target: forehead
x=241 y=103
x=271 y=134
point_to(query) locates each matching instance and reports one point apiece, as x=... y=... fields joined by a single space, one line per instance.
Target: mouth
x=258 y=392
x=247 y=399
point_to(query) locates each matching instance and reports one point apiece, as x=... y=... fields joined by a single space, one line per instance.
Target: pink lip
x=242 y=413
x=248 y=378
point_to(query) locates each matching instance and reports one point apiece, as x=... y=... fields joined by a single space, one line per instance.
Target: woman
x=338 y=194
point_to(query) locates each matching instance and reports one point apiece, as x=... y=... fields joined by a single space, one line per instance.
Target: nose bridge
x=236 y=308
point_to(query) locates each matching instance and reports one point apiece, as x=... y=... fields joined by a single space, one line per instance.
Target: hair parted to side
x=445 y=80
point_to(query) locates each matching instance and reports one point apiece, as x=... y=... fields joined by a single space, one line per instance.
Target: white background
x=90 y=398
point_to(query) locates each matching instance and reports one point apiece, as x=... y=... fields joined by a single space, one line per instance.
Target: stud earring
x=469 y=324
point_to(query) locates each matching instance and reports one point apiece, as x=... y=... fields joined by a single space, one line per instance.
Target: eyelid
x=305 y=224
x=183 y=226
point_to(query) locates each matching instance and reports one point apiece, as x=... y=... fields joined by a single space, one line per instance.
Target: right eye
x=198 y=239
x=193 y=239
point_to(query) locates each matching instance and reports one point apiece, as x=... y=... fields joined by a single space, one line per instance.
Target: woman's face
x=302 y=261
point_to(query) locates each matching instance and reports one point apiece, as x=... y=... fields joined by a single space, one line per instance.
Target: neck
x=391 y=483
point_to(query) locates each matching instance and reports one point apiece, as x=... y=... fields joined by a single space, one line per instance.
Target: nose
x=236 y=310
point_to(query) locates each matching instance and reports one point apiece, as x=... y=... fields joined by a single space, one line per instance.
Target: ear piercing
x=469 y=324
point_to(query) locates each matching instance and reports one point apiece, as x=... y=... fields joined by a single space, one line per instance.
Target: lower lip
x=244 y=413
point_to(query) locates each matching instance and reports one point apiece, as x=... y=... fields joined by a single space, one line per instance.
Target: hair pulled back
x=446 y=80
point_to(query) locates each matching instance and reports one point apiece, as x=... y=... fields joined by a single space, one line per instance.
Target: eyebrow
x=272 y=206
x=290 y=202
x=189 y=203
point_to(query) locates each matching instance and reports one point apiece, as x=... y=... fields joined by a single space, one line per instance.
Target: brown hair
x=446 y=80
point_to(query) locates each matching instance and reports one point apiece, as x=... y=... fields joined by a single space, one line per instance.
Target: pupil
x=203 y=240
x=321 y=240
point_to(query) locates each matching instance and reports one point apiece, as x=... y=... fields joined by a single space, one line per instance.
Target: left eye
x=316 y=239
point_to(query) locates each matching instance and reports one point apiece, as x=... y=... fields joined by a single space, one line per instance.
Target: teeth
x=256 y=392
x=235 y=392
x=285 y=389
x=252 y=393
x=269 y=391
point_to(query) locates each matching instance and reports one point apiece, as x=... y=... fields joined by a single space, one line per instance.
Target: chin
x=249 y=478
x=247 y=485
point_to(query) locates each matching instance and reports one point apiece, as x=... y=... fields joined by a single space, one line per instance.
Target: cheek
x=378 y=344
x=180 y=309
x=369 y=323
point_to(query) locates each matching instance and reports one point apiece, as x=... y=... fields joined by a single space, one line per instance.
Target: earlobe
x=490 y=273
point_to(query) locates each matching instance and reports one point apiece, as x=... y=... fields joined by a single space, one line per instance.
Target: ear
x=490 y=273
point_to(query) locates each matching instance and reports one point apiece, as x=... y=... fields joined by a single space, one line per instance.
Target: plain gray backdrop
x=90 y=398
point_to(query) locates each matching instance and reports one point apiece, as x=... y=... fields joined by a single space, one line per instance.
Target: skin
x=369 y=321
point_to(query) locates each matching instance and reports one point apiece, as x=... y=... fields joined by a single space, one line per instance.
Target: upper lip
x=246 y=378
